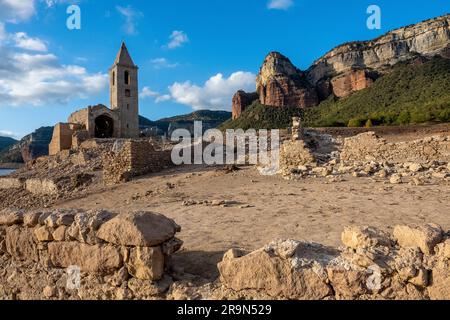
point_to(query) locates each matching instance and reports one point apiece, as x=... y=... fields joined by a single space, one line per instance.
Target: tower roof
x=123 y=57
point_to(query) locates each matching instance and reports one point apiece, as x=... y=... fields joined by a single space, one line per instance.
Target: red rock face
x=350 y=82
x=281 y=84
x=285 y=93
x=242 y=100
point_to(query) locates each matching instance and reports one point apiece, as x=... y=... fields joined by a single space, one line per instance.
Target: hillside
x=410 y=93
x=29 y=147
x=259 y=116
x=5 y=142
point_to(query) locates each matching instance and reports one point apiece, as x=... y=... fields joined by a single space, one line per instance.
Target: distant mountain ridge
x=5 y=142
x=29 y=147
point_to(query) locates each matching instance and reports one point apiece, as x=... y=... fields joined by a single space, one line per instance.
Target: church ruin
x=121 y=120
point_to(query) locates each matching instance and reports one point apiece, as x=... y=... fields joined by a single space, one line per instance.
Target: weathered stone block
x=90 y=258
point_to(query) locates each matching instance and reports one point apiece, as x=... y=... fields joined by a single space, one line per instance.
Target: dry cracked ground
x=219 y=210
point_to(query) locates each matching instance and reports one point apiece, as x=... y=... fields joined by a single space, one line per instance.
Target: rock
x=148 y=289
x=350 y=82
x=171 y=246
x=31 y=219
x=140 y=229
x=417 y=181
x=443 y=249
x=348 y=284
x=421 y=279
x=428 y=38
x=60 y=233
x=280 y=84
x=118 y=278
x=365 y=237
x=440 y=281
x=90 y=258
x=86 y=224
x=49 y=292
x=43 y=234
x=146 y=263
x=21 y=243
x=241 y=100
x=273 y=275
x=415 y=167
x=425 y=237
x=10 y=217
x=396 y=179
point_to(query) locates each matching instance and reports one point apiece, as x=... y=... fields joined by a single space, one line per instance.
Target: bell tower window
x=127 y=77
x=113 y=78
x=127 y=93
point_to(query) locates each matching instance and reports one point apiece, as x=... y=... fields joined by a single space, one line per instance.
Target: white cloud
x=38 y=79
x=147 y=92
x=131 y=16
x=280 y=4
x=163 y=63
x=23 y=41
x=177 y=39
x=16 y=10
x=216 y=92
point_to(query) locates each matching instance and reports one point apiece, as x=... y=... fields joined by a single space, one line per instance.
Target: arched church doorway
x=104 y=127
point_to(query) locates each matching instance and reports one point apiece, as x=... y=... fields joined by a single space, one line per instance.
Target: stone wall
x=62 y=137
x=130 y=158
x=130 y=248
x=412 y=263
x=369 y=147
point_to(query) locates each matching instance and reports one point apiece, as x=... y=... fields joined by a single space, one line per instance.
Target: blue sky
x=192 y=54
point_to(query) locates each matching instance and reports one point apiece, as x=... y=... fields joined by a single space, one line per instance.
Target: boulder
x=296 y=277
x=443 y=249
x=425 y=237
x=90 y=258
x=43 y=234
x=440 y=281
x=146 y=263
x=21 y=243
x=86 y=224
x=365 y=237
x=138 y=229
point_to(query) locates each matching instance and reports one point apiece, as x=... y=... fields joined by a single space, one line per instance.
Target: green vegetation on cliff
x=5 y=142
x=258 y=116
x=410 y=93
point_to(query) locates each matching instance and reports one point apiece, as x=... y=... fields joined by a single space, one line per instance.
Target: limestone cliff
x=347 y=68
x=427 y=38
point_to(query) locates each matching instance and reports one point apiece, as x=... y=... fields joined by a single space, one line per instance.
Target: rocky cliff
x=280 y=83
x=29 y=147
x=347 y=68
x=427 y=38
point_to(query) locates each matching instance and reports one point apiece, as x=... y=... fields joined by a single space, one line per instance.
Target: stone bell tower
x=124 y=97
